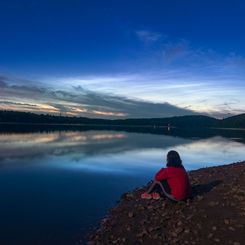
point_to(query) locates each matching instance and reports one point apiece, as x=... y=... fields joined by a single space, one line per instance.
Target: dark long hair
x=174 y=160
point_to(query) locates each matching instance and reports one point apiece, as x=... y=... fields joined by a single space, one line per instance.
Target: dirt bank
x=214 y=215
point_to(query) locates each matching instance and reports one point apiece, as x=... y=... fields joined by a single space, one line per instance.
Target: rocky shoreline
x=214 y=215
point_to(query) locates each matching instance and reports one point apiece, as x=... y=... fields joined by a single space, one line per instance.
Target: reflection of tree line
x=187 y=133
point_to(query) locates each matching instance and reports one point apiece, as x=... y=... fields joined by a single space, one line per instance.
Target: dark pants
x=161 y=187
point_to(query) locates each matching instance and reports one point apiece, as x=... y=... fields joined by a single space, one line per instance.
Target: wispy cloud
x=207 y=94
x=165 y=52
x=148 y=36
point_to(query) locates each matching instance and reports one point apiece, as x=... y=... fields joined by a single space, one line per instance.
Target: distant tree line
x=180 y=121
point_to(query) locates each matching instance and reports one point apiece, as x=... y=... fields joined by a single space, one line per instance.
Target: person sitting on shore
x=171 y=182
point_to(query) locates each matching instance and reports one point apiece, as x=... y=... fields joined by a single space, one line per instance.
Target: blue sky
x=118 y=59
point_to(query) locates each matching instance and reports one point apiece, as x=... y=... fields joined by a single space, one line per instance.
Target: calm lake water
x=55 y=186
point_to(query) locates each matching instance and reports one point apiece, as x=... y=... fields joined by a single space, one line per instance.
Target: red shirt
x=178 y=181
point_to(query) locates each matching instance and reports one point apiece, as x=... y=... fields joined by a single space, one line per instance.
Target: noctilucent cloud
x=123 y=59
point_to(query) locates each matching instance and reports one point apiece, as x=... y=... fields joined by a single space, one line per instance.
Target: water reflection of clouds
x=34 y=138
x=211 y=152
x=79 y=144
x=115 y=152
x=131 y=163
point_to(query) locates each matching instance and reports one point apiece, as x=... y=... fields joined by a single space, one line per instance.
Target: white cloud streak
x=147 y=36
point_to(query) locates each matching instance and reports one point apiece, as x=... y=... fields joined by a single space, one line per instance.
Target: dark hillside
x=193 y=121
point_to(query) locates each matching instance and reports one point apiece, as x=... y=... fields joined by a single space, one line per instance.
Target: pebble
x=140 y=234
x=226 y=221
x=129 y=195
x=189 y=217
x=212 y=204
x=163 y=204
x=179 y=230
x=150 y=229
x=199 y=198
x=231 y=228
x=130 y=214
x=179 y=223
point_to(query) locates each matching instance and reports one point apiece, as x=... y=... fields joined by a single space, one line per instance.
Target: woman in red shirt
x=173 y=181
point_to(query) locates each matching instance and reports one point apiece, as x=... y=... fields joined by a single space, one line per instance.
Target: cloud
x=165 y=52
x=148 y=36
x=175 y=51
x=16 y=103
x=84 y=102
x=2 y=82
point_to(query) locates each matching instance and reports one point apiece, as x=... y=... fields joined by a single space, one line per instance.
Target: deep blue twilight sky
x=121 y=58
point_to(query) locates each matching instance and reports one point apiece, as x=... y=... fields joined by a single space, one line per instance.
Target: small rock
x=210 y=235
x=130 y=214
x=179 y=223
x=150 y=229
x=129 y=195
x=214 y=228
x=199 y=198
x=128 y=228
x=140 y=234
x=226 y=221
x=189 y=217
x=179 y=230
x=231 y=228
x=163 y=204
x=164 y=214
x=212 y=204
x=236 y=243
x=217 y=240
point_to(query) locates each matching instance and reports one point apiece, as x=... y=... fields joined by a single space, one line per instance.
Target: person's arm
x=161 y=174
